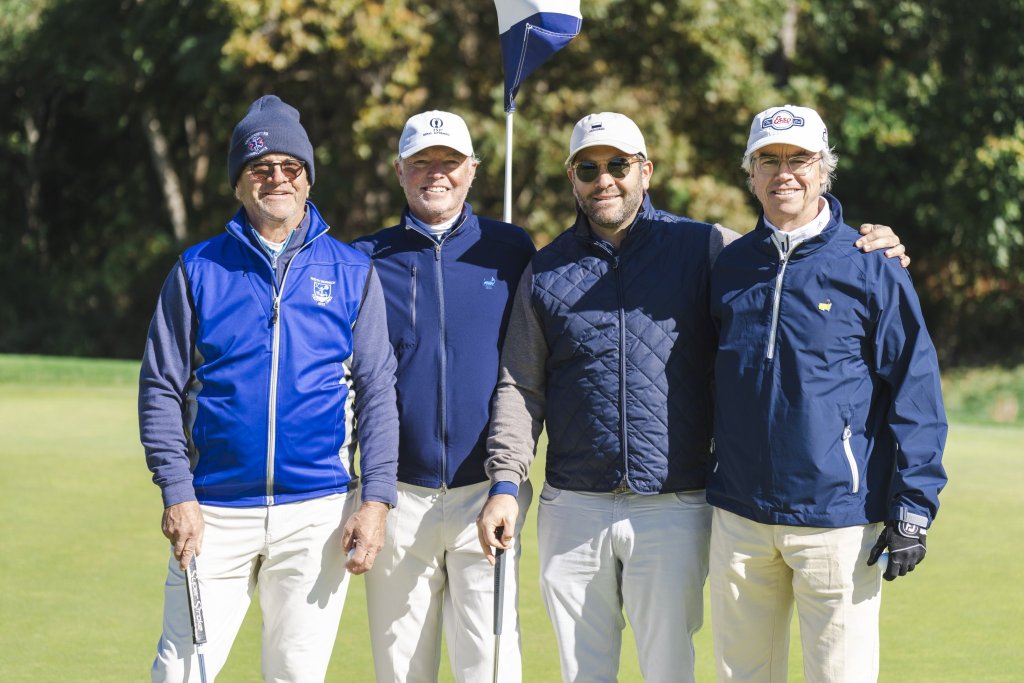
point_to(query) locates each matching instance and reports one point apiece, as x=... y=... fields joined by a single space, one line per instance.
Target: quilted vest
x=631 y=349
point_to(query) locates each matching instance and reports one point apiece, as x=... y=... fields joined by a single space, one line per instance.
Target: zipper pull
x=847 y=433
x=277 y=308
x=437 y=251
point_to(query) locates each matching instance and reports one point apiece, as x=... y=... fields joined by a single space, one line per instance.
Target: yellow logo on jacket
x=825 y=305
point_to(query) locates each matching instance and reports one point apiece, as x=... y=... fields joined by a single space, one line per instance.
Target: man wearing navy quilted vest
x=611 y=344
x=268 y=347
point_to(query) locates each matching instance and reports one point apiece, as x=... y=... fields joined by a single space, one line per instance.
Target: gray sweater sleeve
x=721 y=237
x=163 y=382
x=376 y=406
x=517 y=415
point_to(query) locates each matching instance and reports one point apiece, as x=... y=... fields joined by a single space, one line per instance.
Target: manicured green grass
x=83 y=561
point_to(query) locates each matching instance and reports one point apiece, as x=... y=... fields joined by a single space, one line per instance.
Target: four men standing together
x=270 y=339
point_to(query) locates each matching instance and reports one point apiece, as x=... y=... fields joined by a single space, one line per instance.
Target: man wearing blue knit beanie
x=253 y=378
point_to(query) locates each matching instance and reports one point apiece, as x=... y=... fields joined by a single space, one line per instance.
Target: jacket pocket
x=548 y=493
x=851 y=461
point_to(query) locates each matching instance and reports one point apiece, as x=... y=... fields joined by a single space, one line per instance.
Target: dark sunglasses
x=588 y=171
x=262 y=171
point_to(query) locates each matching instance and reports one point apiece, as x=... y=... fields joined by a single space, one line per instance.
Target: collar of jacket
x=805 y=249
x=457 y=229
x=317 y=226
x=638 y=229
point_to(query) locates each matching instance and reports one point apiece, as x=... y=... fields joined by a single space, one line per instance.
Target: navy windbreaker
x=828 y=409
x=448 y=306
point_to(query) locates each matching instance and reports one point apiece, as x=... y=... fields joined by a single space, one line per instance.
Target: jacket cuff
x=503 y=487
x=906 y=515
x=178 y=492
x=380 y=492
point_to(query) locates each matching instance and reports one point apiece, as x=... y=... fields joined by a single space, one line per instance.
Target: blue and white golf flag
x=531 y=32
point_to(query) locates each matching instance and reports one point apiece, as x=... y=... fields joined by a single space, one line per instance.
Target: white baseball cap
x=606 y=128
x=435 y=129
x=788 y=125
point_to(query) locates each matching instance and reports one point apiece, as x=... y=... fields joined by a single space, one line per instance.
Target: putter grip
x=499 y=583
x=195 y=604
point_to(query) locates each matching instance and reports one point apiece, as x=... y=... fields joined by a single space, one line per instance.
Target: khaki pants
x=602 y=553
x=292 y=554
x=760 y=571
x=431 y=574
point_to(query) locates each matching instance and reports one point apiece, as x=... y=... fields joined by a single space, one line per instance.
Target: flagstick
x=507 y=214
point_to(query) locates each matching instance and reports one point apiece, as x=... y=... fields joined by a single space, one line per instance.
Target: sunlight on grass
x=84 y=559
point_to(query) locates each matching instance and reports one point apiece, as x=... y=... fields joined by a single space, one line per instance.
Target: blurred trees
x=116 y=116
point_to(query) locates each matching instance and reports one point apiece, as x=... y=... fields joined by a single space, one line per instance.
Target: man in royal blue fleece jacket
x=448 y=278
x=268 y=343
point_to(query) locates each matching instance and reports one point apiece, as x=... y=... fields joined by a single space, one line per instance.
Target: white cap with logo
x=788 y=125
x=606 y=128
x=435 y=129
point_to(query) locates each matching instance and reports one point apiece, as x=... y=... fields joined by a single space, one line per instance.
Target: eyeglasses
x=799 y=164
x=262 y=171
x=588 y=171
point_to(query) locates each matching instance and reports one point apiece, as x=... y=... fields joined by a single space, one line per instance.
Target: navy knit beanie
x=270 y=127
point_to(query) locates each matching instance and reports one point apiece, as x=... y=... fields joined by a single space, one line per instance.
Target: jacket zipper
x=443 y=388
x=622 y=368
x=848 y=450
x=443 y=331
x=275 y=320
x=785 y=251
x=414 y=299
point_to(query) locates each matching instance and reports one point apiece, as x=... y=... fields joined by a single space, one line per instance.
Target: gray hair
x=829 y=161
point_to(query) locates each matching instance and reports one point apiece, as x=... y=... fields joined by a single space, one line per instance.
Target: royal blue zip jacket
x=829 y=408
x=448 y=305
x=254 y=372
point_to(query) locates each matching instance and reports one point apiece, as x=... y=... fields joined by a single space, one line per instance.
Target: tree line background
x=115 y=116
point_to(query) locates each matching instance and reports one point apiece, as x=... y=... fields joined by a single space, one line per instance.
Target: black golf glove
x=906 y=545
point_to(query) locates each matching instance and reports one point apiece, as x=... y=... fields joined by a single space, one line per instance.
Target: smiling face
x=436 y=181
x=610 y=203
x=789 y=200
x=274 y=206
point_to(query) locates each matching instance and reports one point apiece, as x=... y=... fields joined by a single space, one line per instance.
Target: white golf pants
x=432 y=573
x=602 y=552
x=758 y=572
x=292 y=554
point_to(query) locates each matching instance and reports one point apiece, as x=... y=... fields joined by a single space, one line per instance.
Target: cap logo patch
x=436 y=123
x=256 y=143
x=783 y=120
x=597 y=126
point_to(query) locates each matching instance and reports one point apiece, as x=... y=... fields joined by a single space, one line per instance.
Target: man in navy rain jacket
x=829 y=423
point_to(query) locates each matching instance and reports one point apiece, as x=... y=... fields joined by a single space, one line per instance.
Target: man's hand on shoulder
x=363 y=536
x=882 y=237
x=183 y=525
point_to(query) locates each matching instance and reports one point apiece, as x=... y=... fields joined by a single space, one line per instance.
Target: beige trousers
x=760 y=571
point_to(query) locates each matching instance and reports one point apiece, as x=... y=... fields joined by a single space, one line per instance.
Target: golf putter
x=195 y=613
x=499 y=594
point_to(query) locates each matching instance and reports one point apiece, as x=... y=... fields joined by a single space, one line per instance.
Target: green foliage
x=985 y=395
x=115 y=118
